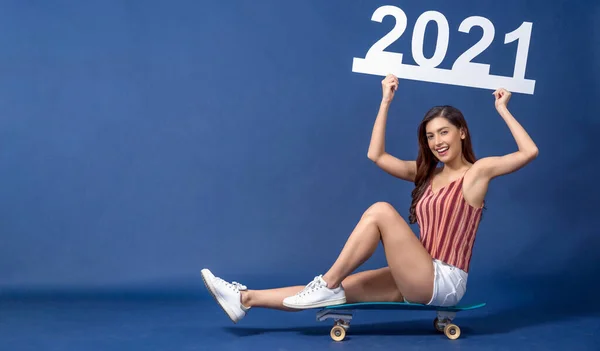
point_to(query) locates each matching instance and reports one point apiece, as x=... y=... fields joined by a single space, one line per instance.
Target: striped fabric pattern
x=448 y=224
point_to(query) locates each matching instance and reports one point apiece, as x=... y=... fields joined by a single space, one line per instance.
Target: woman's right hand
x=389 y=85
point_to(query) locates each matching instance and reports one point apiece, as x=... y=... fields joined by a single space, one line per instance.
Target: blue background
x=143 y=141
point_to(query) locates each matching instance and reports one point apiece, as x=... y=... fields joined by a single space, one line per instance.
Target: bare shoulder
x=475 y=186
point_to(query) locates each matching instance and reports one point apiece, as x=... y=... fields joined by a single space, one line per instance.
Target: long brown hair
x=426 y=161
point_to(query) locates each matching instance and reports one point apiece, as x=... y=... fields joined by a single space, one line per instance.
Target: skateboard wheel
x=338 y=333
x=438 y=326
x=452 y=331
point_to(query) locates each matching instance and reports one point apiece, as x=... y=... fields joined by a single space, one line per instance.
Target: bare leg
x=410 y=272
x=410 y=264
x=372 y=285
x=270 y=298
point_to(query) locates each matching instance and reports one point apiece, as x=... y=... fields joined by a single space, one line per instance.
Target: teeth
x=442 y=150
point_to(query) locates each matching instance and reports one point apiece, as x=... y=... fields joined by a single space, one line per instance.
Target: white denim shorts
x=449 y=284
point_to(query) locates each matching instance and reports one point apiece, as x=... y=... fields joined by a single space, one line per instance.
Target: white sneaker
x=227 y=295
x=316 y=294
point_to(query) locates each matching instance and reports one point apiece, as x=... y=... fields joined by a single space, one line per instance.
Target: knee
x=380 y=209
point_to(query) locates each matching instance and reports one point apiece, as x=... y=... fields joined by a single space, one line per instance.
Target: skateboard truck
x=341 y=323
x=443 y=324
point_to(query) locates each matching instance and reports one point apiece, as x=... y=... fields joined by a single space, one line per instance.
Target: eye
x=444 y=132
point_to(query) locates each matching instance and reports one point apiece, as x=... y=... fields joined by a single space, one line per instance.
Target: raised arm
x=491 y=167
x=406 y=170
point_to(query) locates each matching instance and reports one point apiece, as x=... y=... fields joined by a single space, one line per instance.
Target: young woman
x=447 y=204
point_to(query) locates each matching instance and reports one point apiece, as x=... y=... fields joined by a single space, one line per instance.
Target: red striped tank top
x=448 y=224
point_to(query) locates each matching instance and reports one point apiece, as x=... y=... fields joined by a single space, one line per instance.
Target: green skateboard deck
x=401 y=306
x=342 y=315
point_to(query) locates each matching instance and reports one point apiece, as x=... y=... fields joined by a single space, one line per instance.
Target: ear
x=463 y=134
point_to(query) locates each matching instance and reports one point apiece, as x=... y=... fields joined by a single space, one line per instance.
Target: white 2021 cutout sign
x=463 y=72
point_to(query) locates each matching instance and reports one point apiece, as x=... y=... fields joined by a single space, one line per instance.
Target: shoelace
x=238 y=286
x=312 y=286
x=233 y=285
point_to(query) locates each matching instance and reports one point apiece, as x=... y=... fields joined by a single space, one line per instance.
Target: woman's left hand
x=502 y=96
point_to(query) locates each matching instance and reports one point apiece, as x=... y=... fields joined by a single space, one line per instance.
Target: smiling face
x=444 y=139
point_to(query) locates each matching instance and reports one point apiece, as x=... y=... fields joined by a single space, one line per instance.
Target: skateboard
x=342 y=315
